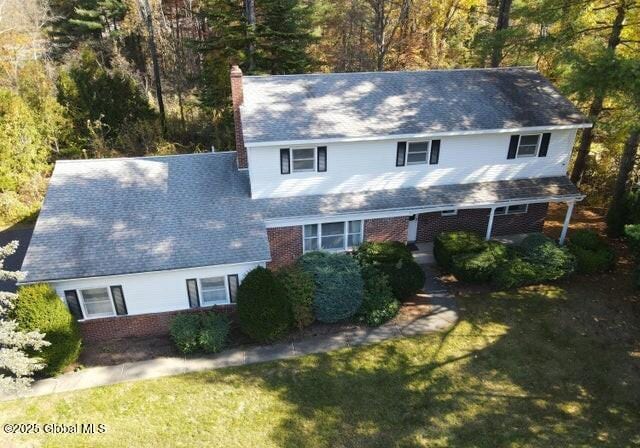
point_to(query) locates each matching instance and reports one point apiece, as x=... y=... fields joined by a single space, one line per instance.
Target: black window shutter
x=233 y=287
x=322 y=159
x=401 y=153
x=285 y=164
x=118 y=300
x=192 y=291
x=435 y=152
x=74 y=304
x=513 y=147
x=544 y=145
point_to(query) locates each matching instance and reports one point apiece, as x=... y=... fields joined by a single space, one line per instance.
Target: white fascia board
x=394 y=213
x=258 y=144
x=56 y=280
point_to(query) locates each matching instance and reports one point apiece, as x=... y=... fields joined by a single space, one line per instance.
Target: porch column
x=567 y=218
x=490 y=225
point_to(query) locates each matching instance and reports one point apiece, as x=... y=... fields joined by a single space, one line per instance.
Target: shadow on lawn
x=519 y=369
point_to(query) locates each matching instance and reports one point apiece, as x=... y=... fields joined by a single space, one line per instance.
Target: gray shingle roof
x=119 y=216
x=353 y=105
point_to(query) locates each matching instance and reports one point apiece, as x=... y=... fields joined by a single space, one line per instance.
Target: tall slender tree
x=502 y=24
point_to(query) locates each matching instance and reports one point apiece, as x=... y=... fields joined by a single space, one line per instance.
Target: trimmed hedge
x=480 y=266
x=448 y=244
x=405 y=277
x=38 y=307
x=339 y=285
x=263 y=311
x=592 y=252
x=378 y=303
x=517 y=272
x=552 y=261
x=193 y=332
x=382 y=252
x=300 y=290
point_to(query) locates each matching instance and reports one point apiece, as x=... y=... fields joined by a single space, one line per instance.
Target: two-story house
x=323 y=162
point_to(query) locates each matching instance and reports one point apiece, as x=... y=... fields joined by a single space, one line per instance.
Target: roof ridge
x=159 y=156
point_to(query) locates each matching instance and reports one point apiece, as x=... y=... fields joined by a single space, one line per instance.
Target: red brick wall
x=430 y=224
x=155 y=324
x=285 y=244
x=386 y=229
x=237 y=99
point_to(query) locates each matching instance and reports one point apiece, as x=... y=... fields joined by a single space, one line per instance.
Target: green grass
x=547 y=366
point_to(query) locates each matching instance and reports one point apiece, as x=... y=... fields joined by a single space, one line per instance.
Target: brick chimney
x=237 y=98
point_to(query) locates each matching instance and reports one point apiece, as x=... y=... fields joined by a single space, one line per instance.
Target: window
x=528 y=145
x=417 y=153
x=97 y=302
x=214 y=290
x=304 y=159
x=512 y=209
x=332 y=236
x=452 y=212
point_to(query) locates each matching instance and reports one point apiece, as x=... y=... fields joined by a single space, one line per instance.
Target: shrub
x=383 y=252
x=300 y=289
x=479 y=266
x=632 y=235
x=263 y=310
x=448 y=244
x=378 y=303
x=213 y=332
x=517 y=272
x=338 y=283
x=551 y=261
x=184 y=331
x=592 y=252
x=406 y=278
x=38 y=307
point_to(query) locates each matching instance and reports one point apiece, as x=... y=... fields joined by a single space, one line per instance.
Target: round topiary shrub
x=263 y=310
x=300 y=290
x=213 y=332
x=382 y=252
x=448 y=244
x=38 y=307
x=517 y=272
x=378 y=303
x=592 y=253
x=184 y=331
x=338 y=283
x=405 y=277
x=551 y=261
x=480 y=266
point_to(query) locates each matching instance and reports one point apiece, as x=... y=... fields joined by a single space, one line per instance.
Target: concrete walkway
x=440 y=314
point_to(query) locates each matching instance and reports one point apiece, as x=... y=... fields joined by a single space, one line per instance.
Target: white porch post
x=567 y=218
x=490 y=225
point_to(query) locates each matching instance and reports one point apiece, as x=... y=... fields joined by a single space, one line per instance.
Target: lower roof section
x=124 y=216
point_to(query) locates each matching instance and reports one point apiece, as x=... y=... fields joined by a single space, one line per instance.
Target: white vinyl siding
x=332 y=236
x=96 y=302
x=369 y=166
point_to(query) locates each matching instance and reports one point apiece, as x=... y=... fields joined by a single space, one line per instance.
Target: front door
x=412 y=232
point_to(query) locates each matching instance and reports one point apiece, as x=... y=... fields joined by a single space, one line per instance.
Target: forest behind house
x=122 y=78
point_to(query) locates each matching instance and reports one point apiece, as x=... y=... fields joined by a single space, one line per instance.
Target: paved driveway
x=14 y=262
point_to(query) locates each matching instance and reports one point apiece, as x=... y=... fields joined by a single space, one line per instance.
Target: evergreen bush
x=300 y=290
x=378 y=303
x=184 y=331
x=480 y=266
x=592 y=253
x=213 y=332
x=382 y=252
x=448 y=244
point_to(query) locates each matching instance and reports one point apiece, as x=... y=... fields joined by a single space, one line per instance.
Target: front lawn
x=544 y=366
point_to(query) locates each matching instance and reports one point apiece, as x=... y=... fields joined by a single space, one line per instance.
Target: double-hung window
x=417 y=153
x=528 y=145
x=304 y=159
x=97 y=302
x=213 y=290
x=512 y=209
x=332 y=236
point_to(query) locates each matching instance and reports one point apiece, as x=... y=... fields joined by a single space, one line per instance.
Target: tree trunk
x=147 y=16
x=580 y=164
x=627 y=162
x=250 y=11
x=504 y=10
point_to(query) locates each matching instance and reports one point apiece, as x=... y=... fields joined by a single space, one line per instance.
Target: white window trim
x=535 y=154
x=345 y=247
x=452 y=212
x=406 y=152
x=315 y=159
x=507 y=212
x=226 y=290
x=96 y=316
